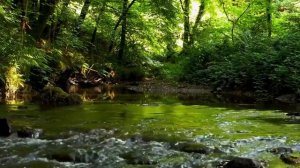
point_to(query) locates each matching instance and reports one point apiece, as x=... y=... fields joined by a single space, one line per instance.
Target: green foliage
x=256 y=64
x=231 y=46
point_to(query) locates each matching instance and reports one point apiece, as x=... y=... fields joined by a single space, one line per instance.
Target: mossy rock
x=61 y=154
x=35 y=164
x=293 y=159
x=56 y=96
x=134 y=158
x=239 y=162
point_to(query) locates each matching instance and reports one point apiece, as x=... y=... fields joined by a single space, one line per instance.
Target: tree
x=189 y=29
x=60 y=21
x=46 y=9
x=186 y=23
x=234 y=21
x=197 y=21
x=122 y=19
x=82 y=15
x=269 y=17
x=101 y=11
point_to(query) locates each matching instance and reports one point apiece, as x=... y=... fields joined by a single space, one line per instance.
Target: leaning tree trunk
x=269 y=17
x=123 y=31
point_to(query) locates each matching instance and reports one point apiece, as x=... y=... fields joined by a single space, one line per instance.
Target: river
x=142 y=130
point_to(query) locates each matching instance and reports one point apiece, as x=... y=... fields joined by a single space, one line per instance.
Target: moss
x=56 y=96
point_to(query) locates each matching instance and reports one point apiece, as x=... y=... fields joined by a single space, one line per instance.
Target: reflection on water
x=140 y=130
x=107 y=92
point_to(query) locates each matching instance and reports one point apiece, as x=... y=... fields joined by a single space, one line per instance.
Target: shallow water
x=140 y=130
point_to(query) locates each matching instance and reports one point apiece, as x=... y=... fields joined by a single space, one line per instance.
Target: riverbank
x=185 y=89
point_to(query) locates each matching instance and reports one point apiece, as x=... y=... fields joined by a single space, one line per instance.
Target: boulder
x=289 y=159
x=5 y=129
x=56 y=96
x=239 y=162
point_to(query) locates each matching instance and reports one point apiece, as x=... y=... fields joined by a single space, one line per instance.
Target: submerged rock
x=29 y=133
x=61 y=154
x=280 y=150
x=239 y=162
x=293 y=115
x=289 y=159
x=62 y=157
x=191 y=147
x=5 y=129
x=56 y=96
x=134 y=158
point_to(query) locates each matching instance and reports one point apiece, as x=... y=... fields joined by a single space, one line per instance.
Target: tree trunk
x=97 y=23
x=46 y=9
x=186 y=17
x=123 y=31
x=2 y=92
x=269 y=17
x=57 y=26
x=197 y=21
x=82 y=15
x=118 y=24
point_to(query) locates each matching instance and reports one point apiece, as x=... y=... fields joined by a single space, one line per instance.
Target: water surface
x=139 y=130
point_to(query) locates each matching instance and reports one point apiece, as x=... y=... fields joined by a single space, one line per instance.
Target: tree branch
x=243 y=12
x=118 y=24
x=181 y=4
x=121 y=17
x=225 y=11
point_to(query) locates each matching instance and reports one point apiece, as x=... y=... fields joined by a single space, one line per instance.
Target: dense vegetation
x=243 y=45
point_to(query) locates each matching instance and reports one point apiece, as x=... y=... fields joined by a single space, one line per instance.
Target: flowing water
x=142 y=130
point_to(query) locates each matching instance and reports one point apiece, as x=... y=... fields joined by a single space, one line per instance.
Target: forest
x=227 y=45
x=150 y=83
